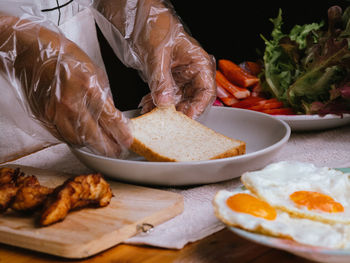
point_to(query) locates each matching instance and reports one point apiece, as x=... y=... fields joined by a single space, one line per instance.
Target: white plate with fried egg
x=318 y=254
x=293 y=206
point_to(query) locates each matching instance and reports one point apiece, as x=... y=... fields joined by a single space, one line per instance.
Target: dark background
x=225 y=29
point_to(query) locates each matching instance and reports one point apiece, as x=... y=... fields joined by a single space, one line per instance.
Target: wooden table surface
x=223 y=246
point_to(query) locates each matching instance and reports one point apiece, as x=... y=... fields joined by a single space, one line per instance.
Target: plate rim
x=306 y=123
x=314 y=117
x=298 y=247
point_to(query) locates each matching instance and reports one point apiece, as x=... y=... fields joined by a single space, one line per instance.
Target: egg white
x=277 y=181
x=301 y=230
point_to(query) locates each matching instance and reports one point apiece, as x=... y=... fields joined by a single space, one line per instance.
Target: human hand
x=177 y=68
x=62 y=87
x=152 y=39
x=182 y=74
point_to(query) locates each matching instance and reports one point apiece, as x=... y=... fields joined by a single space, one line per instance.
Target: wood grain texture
x=221 y=247
x=91 y=230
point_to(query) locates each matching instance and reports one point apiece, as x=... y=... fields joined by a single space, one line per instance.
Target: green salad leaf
x=309 y=68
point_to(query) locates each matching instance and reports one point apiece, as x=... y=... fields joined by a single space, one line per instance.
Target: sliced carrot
x=236 y=74
x=227 y=98
x=229 y=101
x=248 y=102
x=221 y=92
x=236 y=91
x=267 y=104
x=272 y=100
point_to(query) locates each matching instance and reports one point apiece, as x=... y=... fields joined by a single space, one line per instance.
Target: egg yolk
x=246 y=203
x=315 y=200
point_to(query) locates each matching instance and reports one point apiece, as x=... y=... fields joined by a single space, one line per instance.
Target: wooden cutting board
x=91 y=230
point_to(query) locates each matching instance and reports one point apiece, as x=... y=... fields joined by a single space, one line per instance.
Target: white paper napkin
x=196 y=222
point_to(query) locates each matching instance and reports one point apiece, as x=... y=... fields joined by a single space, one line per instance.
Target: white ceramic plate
x=264 y=136
x=310 y=252
x=318 y=254
x=315 y=122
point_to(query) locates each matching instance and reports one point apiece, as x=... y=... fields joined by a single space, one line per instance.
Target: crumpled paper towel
x=196 y=222
x=329 y=148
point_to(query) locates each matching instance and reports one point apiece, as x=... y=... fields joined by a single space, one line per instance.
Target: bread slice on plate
x=167 y=135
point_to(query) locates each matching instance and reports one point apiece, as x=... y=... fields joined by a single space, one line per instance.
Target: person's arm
x=64 y=89
x=154 y=41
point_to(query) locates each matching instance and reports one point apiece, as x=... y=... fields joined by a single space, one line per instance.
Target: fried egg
x=243 y=209
x=303 y=190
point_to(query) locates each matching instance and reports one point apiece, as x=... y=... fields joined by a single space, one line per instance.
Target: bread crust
x=149 y=154
x=239 y=150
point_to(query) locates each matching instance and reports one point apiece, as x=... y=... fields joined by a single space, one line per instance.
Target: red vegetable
x=267 y=104
x=236 y=91
x=248 y=102
x=227 y=98
x=280 y=111
x=236 y=74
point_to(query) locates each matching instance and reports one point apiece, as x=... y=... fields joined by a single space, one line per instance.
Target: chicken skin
x=30 y=197
x=24 y=193
x=75 y=193
x=20 y=192
x=8 y=186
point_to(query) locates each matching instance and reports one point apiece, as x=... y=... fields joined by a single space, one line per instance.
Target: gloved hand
x=177 y=69
x=64 y=89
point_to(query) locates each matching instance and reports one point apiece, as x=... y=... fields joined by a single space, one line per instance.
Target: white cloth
x=329 y=148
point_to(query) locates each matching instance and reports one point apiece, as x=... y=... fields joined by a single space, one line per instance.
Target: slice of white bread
x=167 y=135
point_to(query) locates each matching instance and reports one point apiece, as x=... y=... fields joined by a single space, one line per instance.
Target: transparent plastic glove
x=151 y=38
x=61 y=86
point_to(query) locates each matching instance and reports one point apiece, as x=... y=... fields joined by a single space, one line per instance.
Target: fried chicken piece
x=77 y=192
x=30 y=197
x=8 y=186
x=20 y=192
x=7 y=193
x=9 y=175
